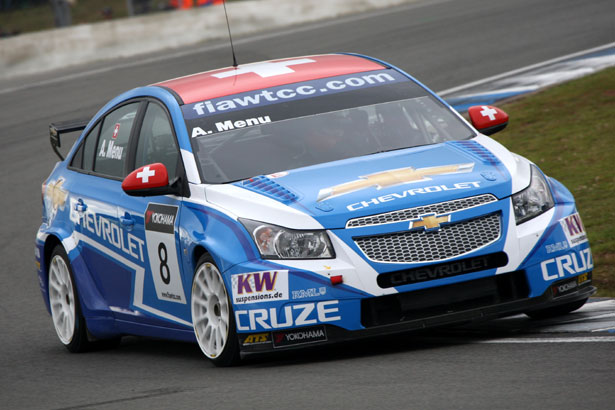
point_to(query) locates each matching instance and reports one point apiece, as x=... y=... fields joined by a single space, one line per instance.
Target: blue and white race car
x=298 y=202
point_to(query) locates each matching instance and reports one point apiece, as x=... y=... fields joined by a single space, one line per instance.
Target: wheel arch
x=51 y=241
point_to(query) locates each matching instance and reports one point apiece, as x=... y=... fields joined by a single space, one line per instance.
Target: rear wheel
x=212 y=315
x=65 y=311
x=556 y=310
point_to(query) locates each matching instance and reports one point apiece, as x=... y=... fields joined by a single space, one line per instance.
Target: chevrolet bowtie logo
x=429 y=222
x=57 y=194
x=391 y=178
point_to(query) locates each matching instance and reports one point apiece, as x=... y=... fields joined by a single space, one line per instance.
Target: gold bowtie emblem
x=57 y=194
x=391 y=178
x=429 y=222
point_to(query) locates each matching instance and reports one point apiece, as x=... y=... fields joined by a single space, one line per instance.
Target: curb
x=518 y=83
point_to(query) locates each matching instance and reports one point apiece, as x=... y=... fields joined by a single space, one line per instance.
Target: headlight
x=276 y=242
x=533 y=200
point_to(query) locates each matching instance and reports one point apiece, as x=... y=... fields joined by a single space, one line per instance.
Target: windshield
x=355 y=118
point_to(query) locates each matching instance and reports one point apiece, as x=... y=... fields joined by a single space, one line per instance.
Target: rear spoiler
x=58 y=128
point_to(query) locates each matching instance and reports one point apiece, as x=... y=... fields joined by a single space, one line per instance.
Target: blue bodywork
x=115 y=283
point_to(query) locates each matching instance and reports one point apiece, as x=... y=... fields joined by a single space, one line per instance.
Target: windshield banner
x=290 y=92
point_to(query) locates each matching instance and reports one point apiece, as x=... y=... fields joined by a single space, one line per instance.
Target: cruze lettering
x=571 y=264
x=295 y=315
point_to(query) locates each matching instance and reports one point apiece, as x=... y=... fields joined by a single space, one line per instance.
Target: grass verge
x=569 y=132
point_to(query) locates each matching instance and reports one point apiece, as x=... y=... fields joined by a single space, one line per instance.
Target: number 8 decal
x=162 y=252
x=164 y=268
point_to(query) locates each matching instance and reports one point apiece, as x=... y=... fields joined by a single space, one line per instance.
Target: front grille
x=422 y=246
x=413 y=213
x=440 y=300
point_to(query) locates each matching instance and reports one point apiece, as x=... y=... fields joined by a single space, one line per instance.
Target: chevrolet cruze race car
x=298 y=202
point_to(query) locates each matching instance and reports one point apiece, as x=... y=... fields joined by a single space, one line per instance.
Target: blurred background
x=22 y=16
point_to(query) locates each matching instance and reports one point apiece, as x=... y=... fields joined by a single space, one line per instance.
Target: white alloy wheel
x=210 y=310
x=62 y=299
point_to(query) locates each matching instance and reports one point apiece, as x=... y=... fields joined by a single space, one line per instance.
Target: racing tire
x=66 y=315
x=556 y=310
x=212 y=315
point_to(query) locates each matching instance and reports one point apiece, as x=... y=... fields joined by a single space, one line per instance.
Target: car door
x=160 y=288
x=108 y=251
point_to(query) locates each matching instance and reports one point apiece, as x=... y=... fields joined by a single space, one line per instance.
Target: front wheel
x=212 y=315
x=556 y=310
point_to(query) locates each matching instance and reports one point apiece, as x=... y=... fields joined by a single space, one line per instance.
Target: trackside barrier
x=52 y=49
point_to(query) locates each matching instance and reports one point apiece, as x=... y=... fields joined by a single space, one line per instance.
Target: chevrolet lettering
x=293 y=202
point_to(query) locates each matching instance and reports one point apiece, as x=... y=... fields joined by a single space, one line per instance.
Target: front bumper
x=392 y=314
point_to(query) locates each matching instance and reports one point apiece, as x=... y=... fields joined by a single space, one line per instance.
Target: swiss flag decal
x=486 y=117
x=148 y=176
x=116 y=131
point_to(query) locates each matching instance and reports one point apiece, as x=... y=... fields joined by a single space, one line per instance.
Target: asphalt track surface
x=444 y=44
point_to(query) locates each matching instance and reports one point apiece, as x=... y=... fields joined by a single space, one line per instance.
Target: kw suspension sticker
x=162 y=252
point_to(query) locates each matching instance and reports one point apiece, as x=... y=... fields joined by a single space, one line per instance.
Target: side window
x=89 y=148
x=112 y=145
x=84 y=157
x=156 y=141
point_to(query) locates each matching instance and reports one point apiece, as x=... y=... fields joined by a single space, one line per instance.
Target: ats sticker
x=299 y=336
x=257 y=339
x=267 y=286
x=574 y=229
x=584 y=278
x=162 y=251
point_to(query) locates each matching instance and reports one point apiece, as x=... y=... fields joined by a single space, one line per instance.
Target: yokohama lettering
x=299 y=336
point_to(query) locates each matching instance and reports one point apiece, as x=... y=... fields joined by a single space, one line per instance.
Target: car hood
x=334 y=192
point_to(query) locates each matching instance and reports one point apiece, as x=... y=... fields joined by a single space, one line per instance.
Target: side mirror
x=487 y=119
x=150 y=180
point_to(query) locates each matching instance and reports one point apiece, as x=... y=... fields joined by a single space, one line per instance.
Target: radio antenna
x=229 y=35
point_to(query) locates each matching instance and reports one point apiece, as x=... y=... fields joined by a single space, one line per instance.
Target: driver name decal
x=231 y=125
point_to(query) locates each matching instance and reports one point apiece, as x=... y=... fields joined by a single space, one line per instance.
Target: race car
x=298 y=202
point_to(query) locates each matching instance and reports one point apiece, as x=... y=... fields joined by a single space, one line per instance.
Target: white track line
x=523 y=69
x=525 y=340
x=604 y=329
